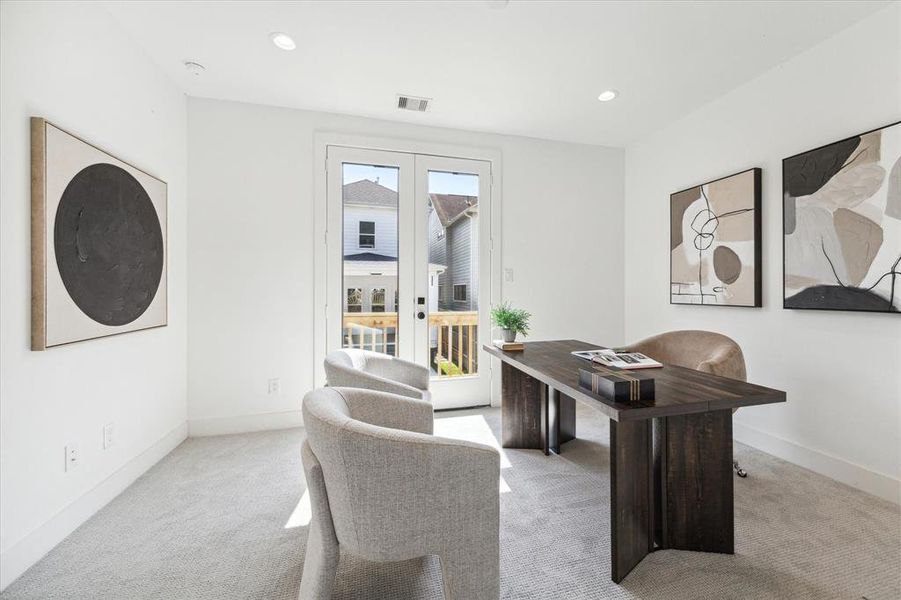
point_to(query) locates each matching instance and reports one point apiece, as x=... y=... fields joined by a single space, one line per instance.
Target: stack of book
x=617 y=384
x=509 y=346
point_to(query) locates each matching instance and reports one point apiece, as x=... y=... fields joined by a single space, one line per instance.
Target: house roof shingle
x=369 y=193
x=450 y=206
x=366 y=192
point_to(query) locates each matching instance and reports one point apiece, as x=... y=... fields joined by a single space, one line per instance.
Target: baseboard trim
x=19 y=557
x=204 y=426
x=856 y=476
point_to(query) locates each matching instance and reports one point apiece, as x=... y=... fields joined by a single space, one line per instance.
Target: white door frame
x=321 y=142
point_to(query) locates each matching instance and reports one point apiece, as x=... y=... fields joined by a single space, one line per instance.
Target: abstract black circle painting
x=109 y=244
x=99 y=251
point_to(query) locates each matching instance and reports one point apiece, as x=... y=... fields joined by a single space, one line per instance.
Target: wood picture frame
x=98 y=242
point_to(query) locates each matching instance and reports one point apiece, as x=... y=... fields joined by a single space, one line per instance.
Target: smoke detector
x=194 y=68
x=414 y=103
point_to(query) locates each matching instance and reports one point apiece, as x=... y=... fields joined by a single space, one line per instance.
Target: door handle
x=420 y=315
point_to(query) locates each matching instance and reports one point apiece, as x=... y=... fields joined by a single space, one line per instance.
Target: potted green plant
x=511 y=320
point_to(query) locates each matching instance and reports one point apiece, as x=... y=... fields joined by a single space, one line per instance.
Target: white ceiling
x=531 y=68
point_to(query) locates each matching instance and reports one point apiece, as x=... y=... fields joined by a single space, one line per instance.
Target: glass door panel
x=452 y=207
x=370 y=257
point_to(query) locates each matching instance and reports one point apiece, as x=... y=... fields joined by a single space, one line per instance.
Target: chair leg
x=465 y=579
x=738 y=470
x=320 y=566
x=321 y=561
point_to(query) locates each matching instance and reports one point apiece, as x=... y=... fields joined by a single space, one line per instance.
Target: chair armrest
x=726 y=361
x=388 y=410
x=400 y=370
x=349 y=377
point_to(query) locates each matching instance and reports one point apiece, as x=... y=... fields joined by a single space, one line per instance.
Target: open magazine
x=620 y=360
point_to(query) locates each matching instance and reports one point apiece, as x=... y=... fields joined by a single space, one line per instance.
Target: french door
x=408 y=244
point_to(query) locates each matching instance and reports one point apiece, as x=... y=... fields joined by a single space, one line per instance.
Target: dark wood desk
x=670 y=458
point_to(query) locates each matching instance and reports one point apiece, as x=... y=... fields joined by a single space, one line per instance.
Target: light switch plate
x=72 y=456
x=108 y=431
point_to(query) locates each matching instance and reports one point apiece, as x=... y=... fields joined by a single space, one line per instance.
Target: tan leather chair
x=700 y=350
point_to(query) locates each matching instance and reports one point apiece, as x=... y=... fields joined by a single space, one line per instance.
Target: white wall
x=842 y=415
x=251 y=249
x=70 y=64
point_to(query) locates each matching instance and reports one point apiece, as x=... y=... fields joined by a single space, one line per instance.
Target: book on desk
x=619 y=385
x=509 y=346
x=618 y=359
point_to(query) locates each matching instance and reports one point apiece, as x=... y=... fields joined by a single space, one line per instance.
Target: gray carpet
x=209 y=522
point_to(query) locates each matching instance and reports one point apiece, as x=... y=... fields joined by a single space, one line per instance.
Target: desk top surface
x=677 y=390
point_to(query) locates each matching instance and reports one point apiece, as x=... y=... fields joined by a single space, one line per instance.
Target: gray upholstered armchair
x=383 y=488
x=375 y=371
x=700 y=350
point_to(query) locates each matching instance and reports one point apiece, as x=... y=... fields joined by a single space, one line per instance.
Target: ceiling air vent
x=413 y=103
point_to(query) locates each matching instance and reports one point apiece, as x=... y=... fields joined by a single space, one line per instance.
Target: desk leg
x=670 y=487
x=534 y=415
x=567 y=419
x=693 y=476
x=558 y=423
x=631 y=500
x=521 y=410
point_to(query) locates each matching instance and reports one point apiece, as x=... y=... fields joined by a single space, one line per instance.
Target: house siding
x=459 y=236
x=385 y=220
x=438 y=256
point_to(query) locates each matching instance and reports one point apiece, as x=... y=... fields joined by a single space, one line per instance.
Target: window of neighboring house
x=377 y=297
x=354 y=300
x=396 y=300
x=460 y=293
x=367 y=234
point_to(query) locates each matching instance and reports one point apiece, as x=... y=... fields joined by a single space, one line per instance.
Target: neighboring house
x=370 y=247
x=453 y=226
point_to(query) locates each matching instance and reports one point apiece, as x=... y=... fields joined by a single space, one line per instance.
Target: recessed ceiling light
x=608 y=95
x=194 y=68
x=282 y=40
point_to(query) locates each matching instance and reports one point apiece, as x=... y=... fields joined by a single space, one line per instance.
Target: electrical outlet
x=275 y=387
x=72 y=456
x=508 y=275
x=108 y=431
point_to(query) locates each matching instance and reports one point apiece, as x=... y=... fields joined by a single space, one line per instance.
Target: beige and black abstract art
x=715 y=242
x=842 y=224
x=98 y=235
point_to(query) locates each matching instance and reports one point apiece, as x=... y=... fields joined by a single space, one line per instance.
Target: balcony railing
x=453 y=348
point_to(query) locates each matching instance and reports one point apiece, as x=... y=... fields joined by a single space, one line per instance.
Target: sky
x=439 y=181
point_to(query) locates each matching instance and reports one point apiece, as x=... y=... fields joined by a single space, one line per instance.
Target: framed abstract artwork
x=98 y=242
x=715 y=242
x=841 y=217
